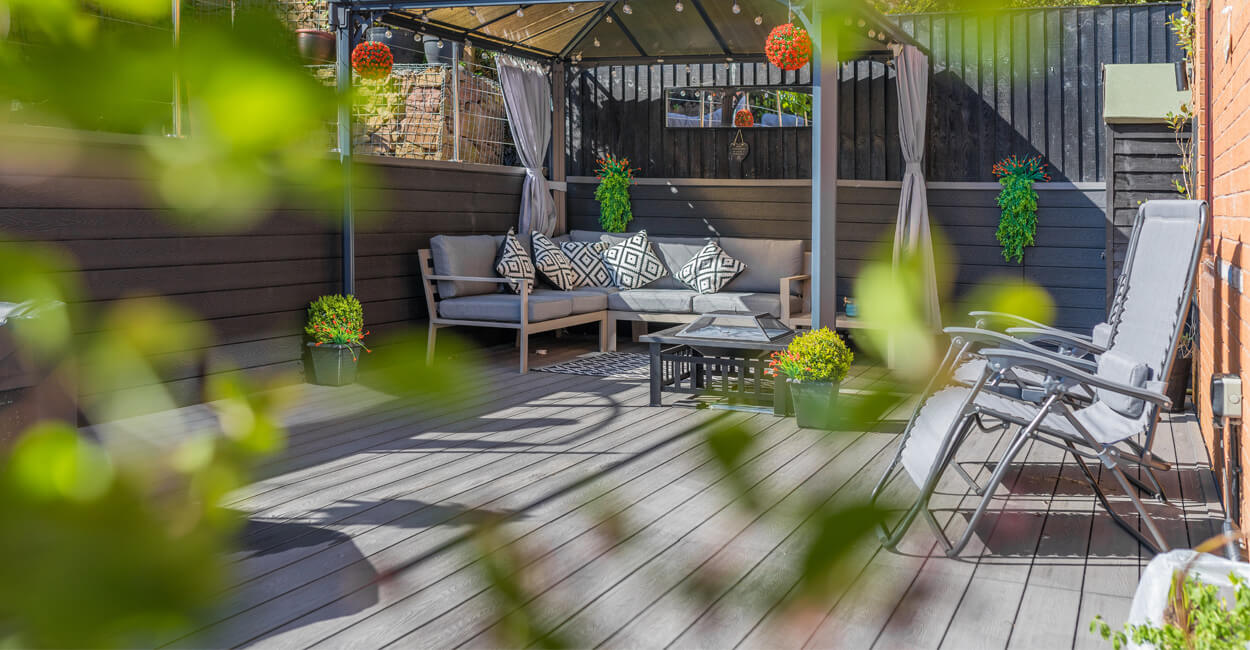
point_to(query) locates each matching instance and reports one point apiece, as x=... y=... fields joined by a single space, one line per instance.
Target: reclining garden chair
x=1125 y=383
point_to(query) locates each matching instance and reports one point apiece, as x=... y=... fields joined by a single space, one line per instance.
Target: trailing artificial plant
x=337 y=320
x=1018 y=202
x=615 y=177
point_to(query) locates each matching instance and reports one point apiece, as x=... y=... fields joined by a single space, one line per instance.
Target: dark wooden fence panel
x=1067 y=260
x=250 y=287
x=1025 y=82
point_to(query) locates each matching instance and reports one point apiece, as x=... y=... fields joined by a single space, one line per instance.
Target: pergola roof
x=627 y=31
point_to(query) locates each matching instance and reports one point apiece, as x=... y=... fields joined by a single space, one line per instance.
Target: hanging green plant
x=615 y=177
x=1018 y=201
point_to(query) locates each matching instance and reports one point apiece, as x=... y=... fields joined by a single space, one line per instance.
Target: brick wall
x=1224 y=181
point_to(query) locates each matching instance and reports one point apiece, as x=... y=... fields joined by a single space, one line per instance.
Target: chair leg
x=603 y=334
x=523 y=342
x=429 y=344
x=637 y=328
x=1106 y=505
x=611 y=334
x=891 y=538
x=996 y=478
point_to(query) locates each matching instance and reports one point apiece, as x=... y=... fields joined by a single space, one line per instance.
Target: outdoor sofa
x=462 y=288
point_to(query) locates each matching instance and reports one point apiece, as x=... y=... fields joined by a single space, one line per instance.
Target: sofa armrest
x=786 y=291
x=468 y=278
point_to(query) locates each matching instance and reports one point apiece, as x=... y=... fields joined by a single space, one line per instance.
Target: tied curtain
x=911 y=232
x=527 y=98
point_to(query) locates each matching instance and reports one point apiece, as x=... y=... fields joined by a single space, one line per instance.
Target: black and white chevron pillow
x=632 y=263
x=553 y=263
x=588 y=268
x=513 y=262
x=710 y=269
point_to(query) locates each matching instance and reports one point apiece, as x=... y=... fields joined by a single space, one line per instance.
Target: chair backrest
x=1157 y=284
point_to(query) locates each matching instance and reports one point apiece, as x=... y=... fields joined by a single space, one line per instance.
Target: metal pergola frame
x=818 y=17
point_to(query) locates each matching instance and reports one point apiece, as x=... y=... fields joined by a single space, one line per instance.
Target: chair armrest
x=1070 y=374
x=1063 y=340
x=982 y=317
x=466 y=278
x=989 y=338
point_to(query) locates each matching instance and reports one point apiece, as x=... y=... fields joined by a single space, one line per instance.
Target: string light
x=608 y=19
x=472 y=11
x=520 y=12
x=736 y=8
x=759 y=20
x=440 y=43
x=388 y=33
x=425 y=17
x=572 y=8
x=627 y=9
x=596 y=42
x=679 y=7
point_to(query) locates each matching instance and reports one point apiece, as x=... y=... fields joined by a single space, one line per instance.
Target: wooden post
x=559 y=85
x=344 y=22
x=824 y=170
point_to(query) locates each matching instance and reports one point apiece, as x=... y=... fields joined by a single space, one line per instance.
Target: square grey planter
x=331 y=364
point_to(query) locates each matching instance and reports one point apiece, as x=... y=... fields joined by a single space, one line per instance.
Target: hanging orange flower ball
x=372 y=60
x=788 y=47
x=744 y=118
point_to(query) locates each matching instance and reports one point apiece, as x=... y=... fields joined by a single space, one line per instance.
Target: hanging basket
x=372 y=60
x=788 y=47
x=744 y=119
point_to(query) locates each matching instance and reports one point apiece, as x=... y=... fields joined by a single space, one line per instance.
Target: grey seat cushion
x=468 y=255
x=670 y=301
x=767 y=260
x=585 y=299
x=506 y=307
x=743 y=301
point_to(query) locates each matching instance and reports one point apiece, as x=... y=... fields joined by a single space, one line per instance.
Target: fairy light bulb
x=607 y=19
x=388 y=33
x=596 y=42
x=425 y=17
x=440 y=43
x=571 y=8
x=520 y=12
x=679 y=7
x=759 y=20
x=627 y=9
x=737 y=9
x=472 y=11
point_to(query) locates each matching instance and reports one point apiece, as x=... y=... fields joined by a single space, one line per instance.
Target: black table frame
x=733 y=369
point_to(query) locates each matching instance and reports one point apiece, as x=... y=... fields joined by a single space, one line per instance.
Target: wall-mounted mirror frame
x=717 y=107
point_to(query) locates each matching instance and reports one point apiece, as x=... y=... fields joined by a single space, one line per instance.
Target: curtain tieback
x=535 y=172
x=914 y=166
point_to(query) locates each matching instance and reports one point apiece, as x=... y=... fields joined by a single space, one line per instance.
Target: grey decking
x=368 y=484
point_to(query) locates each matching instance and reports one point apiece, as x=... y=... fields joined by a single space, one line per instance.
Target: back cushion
x=767 y=261
x=469 y=255
x=673 y=252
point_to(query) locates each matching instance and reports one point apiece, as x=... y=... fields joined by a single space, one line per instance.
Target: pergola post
x=559 y=81
x=342 y=16
x=824 y=170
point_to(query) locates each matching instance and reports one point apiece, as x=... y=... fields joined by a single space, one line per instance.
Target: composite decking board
x=334 y=576
x=570 y=575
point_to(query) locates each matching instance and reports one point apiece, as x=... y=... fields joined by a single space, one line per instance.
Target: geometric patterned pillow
x=588 y=268
x=553 y=263
x=513 y=262
x=632 y=263
x=710 y=269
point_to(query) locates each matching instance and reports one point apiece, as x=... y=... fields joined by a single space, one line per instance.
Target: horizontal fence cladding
x=250 y=287
x=1025 y=82
x=1067 y=259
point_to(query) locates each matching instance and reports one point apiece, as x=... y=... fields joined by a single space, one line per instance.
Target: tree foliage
x=923 y=6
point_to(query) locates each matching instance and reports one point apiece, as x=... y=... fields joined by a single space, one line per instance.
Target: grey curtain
x=527 y=97
x=911 y=233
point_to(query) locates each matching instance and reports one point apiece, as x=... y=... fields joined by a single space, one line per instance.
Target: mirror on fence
x=702 y=108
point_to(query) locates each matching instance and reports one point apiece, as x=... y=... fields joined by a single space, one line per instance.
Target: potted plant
x=315 y=43
x=336 y=326
x=814 y=365
x=615 y=177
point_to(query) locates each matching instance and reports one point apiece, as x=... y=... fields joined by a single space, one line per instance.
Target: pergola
x=563 y=32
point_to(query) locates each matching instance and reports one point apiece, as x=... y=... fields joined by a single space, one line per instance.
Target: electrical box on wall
x=1226 y=396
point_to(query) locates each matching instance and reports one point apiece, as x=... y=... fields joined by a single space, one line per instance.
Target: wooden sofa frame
x=429 y=282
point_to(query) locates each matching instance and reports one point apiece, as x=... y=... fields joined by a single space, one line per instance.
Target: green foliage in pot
x=1198 y=618
x=338 y=320
x=1018 y=201
x=815 y=356
x=615 y=177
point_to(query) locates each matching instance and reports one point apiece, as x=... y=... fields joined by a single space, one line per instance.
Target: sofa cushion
x=744 y=301
x=552 y=263
x=513 y=261
x=767 y=260
x=671 y=301
x=585 y=235
x=673 y=252
x=584 y=300
x=710 y=269
x=633 y=263
x=467 y=255
x=586 y=258
x=506 y=307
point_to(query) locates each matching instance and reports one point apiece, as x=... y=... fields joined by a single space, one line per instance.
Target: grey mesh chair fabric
x=1125 y=383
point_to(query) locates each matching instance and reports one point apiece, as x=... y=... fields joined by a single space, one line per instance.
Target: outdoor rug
x=626 y=365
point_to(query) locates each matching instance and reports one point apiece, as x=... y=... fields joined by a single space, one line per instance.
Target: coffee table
x=731 y=368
